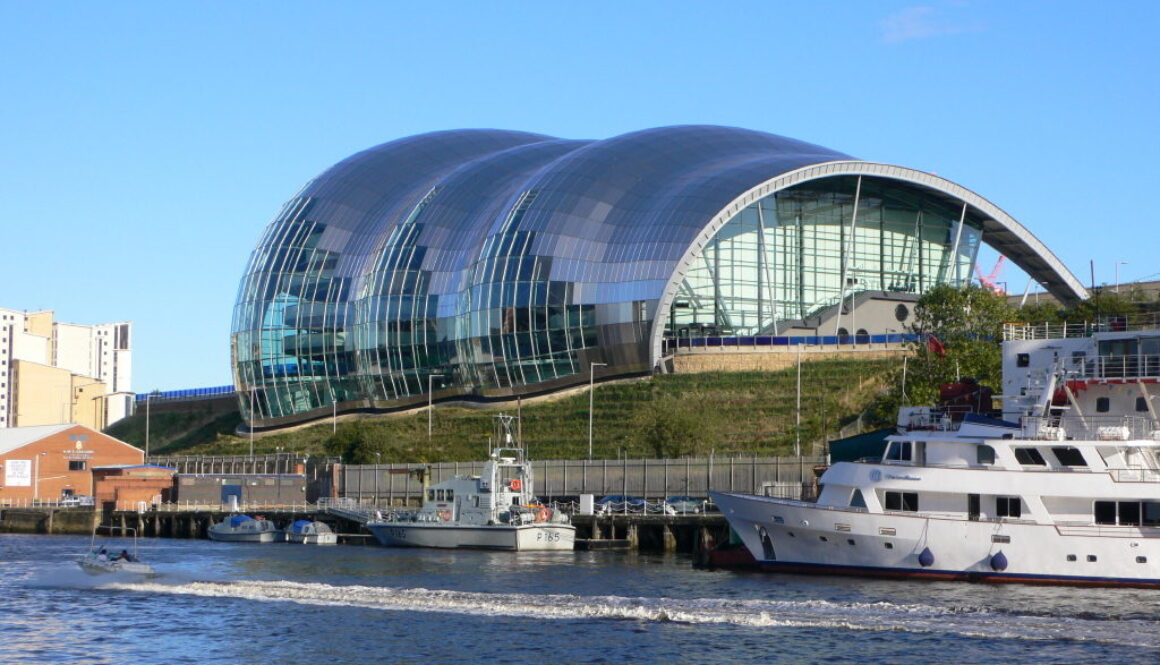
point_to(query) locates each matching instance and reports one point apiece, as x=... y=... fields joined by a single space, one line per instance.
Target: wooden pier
x=653 y=533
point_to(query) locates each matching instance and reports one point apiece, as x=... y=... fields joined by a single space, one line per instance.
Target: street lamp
x=36 y=476
x=591 y=387
x=430 y=401
x=1118 y=275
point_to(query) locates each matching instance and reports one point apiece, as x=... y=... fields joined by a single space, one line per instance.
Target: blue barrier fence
x=187 y=393
x=765 y=340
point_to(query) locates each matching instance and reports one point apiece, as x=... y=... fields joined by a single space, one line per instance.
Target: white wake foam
x=882 y=616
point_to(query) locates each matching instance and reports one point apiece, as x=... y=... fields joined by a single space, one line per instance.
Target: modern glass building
x=486 y=264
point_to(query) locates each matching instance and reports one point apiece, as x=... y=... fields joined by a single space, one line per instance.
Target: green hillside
x=666 y=416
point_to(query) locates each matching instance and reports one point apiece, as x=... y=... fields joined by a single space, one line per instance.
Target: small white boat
x=310 y=532
x=99 y=561
x=494 y=510
x=244 y=529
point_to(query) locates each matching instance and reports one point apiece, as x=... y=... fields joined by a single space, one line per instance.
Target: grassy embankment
x=666 y=416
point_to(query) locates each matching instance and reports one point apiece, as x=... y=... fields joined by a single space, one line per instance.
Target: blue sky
x=145 y=145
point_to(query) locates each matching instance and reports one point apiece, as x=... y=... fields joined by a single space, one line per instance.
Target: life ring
x=543 y=514
x=446 y=515
x=516 y=484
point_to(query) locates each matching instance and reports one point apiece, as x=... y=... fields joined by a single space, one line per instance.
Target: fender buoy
x=926 y=558
x=516 y=484
x=999 y=561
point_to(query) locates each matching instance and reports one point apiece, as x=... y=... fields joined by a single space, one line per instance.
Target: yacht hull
x=525 y=537
x=801 y=537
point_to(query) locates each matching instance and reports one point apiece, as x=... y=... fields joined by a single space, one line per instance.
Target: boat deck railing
x=1028 y=331
x=1090 y=428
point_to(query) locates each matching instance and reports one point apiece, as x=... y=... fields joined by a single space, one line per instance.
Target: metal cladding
x=484 y=264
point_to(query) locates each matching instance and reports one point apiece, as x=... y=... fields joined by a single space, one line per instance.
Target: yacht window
x=1071 y=557
x=1129 y=513
x=857 y=500
x=1141 y=404
x=1105 y=512
x=1141 y=559
x=1069 y=456
x=1103 y=404
x=907 y=501
x=450 y=495
x=900 y=451
x=430 y=495
x=1151 y=513
x=985 y=454
x=1008 y=506
x=439 y=495
x=1029 y=456
x=1023 y=360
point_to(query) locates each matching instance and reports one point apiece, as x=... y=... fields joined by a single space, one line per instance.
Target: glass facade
x=484 y=264
x=792 y=254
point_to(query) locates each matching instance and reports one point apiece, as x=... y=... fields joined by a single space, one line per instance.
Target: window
x=1069 y=456
x=1151 y=513
x=1141 y=404
x=985 y=455
x=1023 y=360
x=857 y=500
x=1105 y=512
x=1103 y=404
x=1091 y=558
x=1071 y=557
x=1008 y=506
x=1129 y=513
x=907 y=501
x=900 y=451
x=1030 y=456
x=1000 y=539
x=77 y=465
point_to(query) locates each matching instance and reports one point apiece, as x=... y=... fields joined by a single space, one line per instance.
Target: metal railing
x=1090 y=428
x=651 y=479
x=1027 y=331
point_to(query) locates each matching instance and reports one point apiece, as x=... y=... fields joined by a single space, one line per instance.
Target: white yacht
x=494 y=510
x=1063 y=488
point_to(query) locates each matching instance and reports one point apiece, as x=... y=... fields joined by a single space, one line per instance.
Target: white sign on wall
x=18 y=473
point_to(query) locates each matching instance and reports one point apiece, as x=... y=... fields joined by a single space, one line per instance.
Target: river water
x=296 y=605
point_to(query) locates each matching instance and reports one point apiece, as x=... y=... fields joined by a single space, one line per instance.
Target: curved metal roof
x=443 y=231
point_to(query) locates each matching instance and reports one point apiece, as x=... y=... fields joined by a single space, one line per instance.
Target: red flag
x=936 y=347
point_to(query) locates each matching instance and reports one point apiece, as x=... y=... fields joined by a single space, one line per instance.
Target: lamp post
x=591 y=388
x=147 y=399
x=36 y=476
x=430 y=401
x=1118 y=275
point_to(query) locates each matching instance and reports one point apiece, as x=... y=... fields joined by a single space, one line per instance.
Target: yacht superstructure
x=1062 y=487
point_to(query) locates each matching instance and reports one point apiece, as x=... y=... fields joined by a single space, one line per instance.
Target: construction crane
x=989 y=281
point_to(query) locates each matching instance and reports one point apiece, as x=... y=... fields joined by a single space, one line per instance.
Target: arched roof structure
x=486 y=263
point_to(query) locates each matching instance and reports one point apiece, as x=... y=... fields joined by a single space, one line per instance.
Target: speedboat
x=99 y=561
x=1061 y=487
x=310 y=532
x=494 y=510
x=244 y=529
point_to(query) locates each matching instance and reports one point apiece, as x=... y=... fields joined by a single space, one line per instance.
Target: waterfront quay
x=688 y=533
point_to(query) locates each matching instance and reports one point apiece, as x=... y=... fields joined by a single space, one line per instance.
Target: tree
x=670 y=427
x=958 y=335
